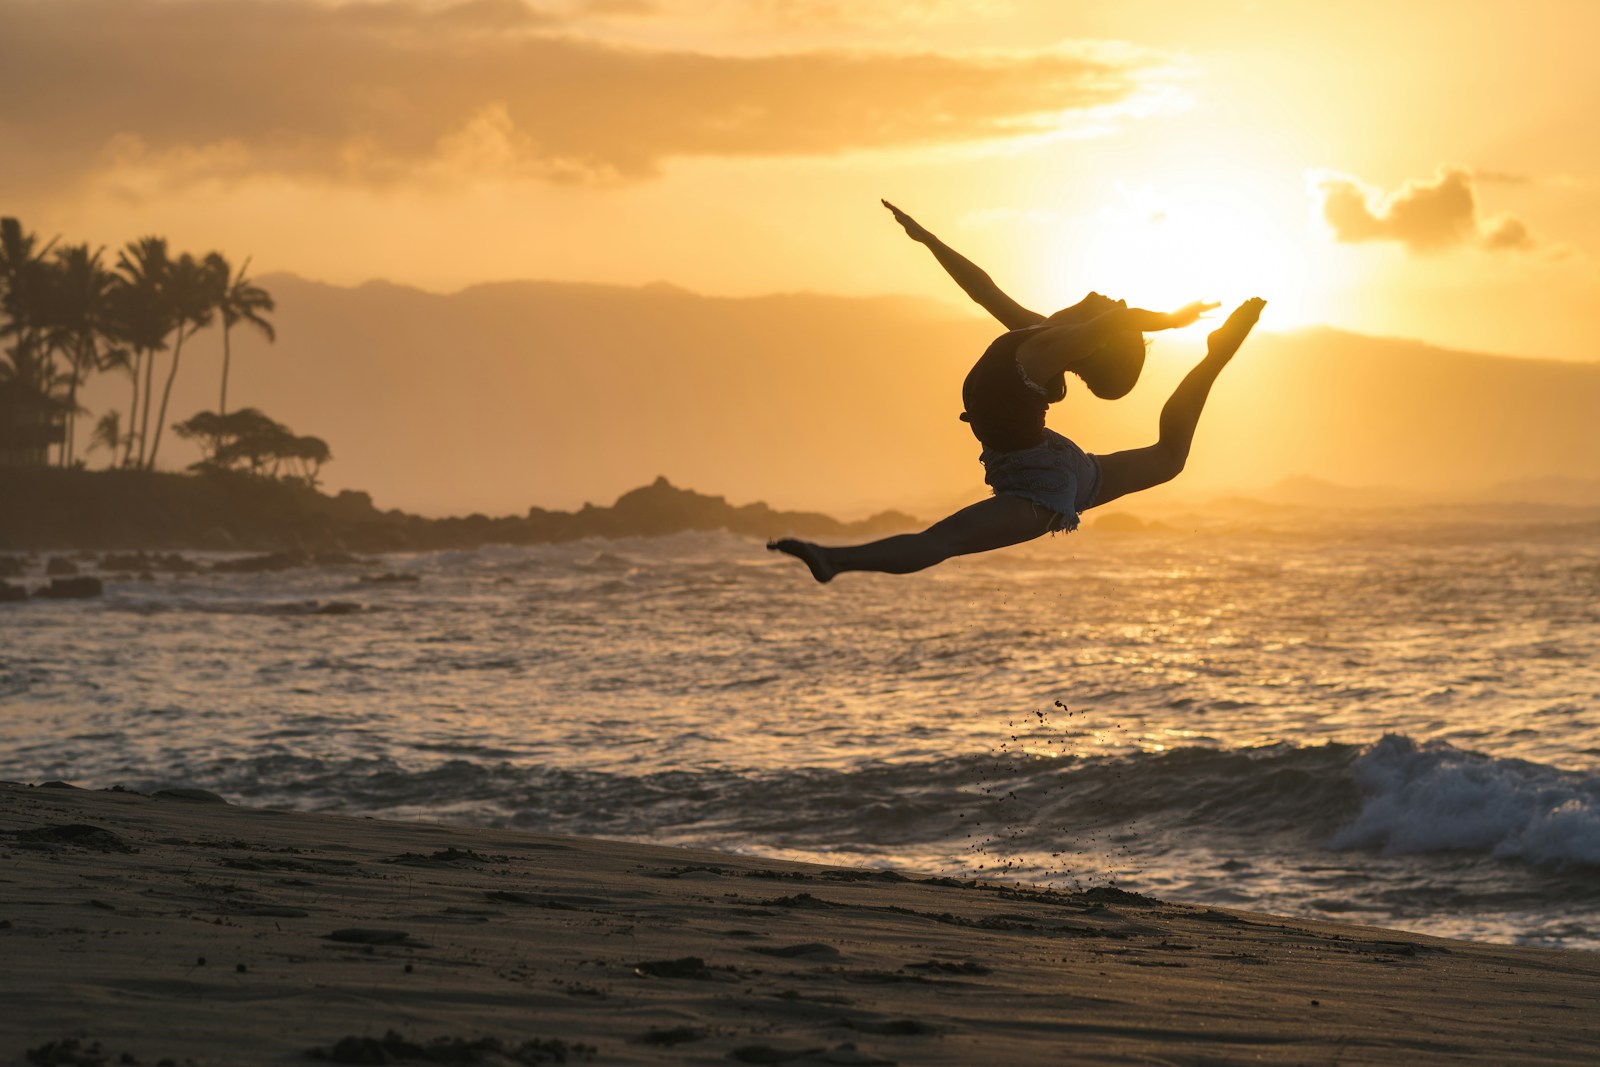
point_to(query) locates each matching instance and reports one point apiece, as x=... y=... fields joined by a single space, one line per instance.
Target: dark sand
x=200 y=932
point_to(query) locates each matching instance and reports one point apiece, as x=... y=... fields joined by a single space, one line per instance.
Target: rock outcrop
x=143 y=516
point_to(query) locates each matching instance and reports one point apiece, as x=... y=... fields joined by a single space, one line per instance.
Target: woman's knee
x=1136 y=470
x=990 y=524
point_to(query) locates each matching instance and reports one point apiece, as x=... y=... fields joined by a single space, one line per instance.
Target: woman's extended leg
x=1130 y=471
x=988 y=524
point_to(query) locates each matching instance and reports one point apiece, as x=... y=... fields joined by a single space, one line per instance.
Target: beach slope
x=143 y=929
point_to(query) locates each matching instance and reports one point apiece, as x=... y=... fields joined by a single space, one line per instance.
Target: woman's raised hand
x=1190 y=313
x=913 y=228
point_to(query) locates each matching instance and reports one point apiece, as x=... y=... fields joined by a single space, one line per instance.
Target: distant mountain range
x=516 y=394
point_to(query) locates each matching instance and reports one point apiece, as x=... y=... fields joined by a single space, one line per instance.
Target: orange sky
x=1424 y=169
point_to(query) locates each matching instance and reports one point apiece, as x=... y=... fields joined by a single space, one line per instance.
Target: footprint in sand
x=888 y=1027
x=362 y=935
x=692 y=968
x=445 y=857
x=811 y=950
x=677 y=1035
x=79 y=835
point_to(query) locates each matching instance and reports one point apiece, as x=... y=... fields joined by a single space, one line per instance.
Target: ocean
x=1388 y=723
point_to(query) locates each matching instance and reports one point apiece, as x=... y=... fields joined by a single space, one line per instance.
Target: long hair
x=1114 y=368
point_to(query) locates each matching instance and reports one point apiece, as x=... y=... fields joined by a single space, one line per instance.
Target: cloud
x=1500 y=177
x=385 y=90
x=1507 y=232
x=853 y=13
x=1423 y=215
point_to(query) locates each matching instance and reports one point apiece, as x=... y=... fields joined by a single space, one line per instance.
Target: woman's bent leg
x=982 y=527
x=1136 y=469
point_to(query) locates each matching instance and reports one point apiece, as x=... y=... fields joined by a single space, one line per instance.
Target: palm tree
x=28 y=375
x=107 y=434
x=81 y=324
x=28 y=366
x=241 y=300
x=21 y=276
x=24 y=278
x=144 y=321
x=190 y=305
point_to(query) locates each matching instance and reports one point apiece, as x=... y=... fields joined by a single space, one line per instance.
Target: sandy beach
x=182 y=929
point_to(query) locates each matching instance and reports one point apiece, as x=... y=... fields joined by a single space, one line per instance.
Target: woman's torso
x=1006 y=413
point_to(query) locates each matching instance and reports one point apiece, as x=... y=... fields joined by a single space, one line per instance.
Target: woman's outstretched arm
x=974 y=281
x=1151 y=321
x=1058 y=347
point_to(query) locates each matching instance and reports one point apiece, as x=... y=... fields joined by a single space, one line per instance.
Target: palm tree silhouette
x=107 y=434
x=24 y=278
x=65 y=315
x=82 y=324
x=144 y=320
x=240 y=300
x=189 y=304
x=28 y=375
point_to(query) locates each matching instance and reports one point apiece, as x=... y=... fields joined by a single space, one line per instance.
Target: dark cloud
x=376 y=91
x=1425 y=216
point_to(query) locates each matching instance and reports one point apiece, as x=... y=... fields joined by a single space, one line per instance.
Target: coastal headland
x=178 y=928
x=46 y=509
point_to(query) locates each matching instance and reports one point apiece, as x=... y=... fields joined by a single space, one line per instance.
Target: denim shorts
x=1055 y=474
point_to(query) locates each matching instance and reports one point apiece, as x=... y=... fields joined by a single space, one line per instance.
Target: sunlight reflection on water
x=641 y=687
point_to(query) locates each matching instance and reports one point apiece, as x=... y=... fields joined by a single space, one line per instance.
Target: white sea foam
x=1431 y=797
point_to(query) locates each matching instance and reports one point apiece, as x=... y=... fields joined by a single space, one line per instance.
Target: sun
x=1201 y=238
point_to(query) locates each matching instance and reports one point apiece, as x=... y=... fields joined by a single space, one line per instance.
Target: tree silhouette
x=310 y=453
x=144 y=320
x=252 y=440
x=65 y=316
x=29 y=380
x=81 y=323
x=189 y=299
x=241 y=301
x=23 y=276
x=107 y=434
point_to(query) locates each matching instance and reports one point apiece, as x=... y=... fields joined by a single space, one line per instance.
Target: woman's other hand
x=1190 y=313
x=913 y=228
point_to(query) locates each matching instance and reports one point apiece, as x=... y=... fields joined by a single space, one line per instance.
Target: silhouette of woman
x=1041 y=480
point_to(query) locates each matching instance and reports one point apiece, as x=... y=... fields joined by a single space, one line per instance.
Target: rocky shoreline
x=50 y=510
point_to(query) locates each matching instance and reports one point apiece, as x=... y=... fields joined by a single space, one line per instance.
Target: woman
x=1041 y=480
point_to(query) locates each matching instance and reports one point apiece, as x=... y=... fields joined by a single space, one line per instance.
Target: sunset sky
x=1424 y=170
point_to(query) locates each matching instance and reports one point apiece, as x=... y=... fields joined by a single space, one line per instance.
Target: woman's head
x=1114 y=368
x=1090 y=306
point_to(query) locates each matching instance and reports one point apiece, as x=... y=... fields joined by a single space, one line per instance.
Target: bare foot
x=1225 y=340
x=807 y=553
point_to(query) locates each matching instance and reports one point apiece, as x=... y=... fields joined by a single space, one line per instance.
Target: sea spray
x=1432 y=797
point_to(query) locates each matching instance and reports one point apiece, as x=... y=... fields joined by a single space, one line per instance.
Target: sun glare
x=1204 y=240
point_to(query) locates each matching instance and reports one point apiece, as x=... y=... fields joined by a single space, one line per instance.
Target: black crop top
x=1005 y=413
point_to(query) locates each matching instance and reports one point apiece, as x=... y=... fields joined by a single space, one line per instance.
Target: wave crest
x=1433 y=797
